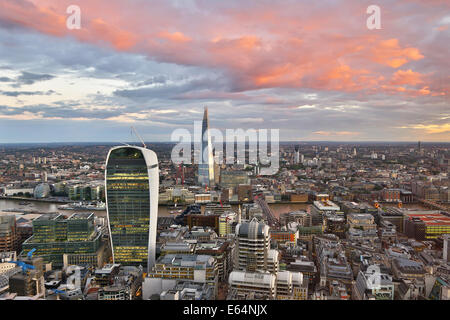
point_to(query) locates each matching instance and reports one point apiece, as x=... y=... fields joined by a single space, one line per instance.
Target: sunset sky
x=309 y=68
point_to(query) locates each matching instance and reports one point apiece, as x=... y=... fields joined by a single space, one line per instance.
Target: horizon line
x=281 y=141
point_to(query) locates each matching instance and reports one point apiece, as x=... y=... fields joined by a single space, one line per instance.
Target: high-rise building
x=132 y=183
x=206 y=164
x=54 y=237
x=9 y=237
x=253 y=251
x=226 y=221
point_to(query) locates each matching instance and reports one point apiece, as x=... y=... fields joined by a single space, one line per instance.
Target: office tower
x=231 y=179
x=297 y=155
x=57 y=239
x=206 y=164
x=132 y=183
x=226 y=221
x=425 y=225
x=9 y=237
x=252 y=248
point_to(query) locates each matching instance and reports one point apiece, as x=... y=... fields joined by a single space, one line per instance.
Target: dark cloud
x=29 y=78
x=26 y=93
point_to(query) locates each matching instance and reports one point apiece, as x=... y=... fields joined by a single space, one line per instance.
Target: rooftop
x=326 y=205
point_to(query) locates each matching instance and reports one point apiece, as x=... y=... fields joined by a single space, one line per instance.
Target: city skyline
x=303 y=67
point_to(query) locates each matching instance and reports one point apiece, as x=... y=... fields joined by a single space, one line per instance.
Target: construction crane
x=180 y=173
x=137 y=134
x=30 y=253
x=58 y=291
x=25 y=267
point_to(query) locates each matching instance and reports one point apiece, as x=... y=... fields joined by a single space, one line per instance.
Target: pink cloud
x=292 y=45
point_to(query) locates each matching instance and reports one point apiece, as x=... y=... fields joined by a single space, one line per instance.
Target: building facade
x=206 y=163
x=132 y=182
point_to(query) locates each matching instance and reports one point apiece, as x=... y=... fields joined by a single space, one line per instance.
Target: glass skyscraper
x=206 y=165
x=132 y=182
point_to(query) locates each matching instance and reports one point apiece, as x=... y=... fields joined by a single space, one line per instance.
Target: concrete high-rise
x=297 y=156
x=206 y=164
x=253 y=251
x=131 y=184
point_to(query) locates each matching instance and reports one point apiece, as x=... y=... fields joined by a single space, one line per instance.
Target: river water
x=163 y=211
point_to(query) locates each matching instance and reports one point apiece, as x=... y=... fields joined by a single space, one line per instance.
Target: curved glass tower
x=132 y=182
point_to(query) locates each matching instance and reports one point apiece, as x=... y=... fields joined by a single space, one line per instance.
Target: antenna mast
x=137 y=134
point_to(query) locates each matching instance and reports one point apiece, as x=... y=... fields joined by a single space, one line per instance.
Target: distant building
x=320 y=208
x=390 y=195
x=335 y=224
x=206 y=163
x=188 y=290
x=244 y=192
x=203 y=220
x=222 y=251
x=42 y=191
x=426 y=225
x=231 y=179
x=372 y=284
x=168 y=269
x=394 y=216
x=283 y=236
x=284 y=285
x=5 y=261
x=446 y=249
x=407 y=269
x=361 y=221
x=302 y=218
x=226 y=221
x=259 y=285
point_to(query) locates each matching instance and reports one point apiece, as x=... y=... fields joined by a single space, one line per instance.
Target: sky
x=312 y=69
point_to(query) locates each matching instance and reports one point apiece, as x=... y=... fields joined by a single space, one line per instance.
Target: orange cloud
x=120 y=39
x=431 y=128
x=336 y=133
x=175 y=36
x=389 y=52
x=409 y=77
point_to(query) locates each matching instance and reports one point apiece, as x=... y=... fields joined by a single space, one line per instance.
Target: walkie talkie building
x=132 y=182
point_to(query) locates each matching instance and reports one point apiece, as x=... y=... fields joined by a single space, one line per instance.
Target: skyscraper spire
x=206 y=165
